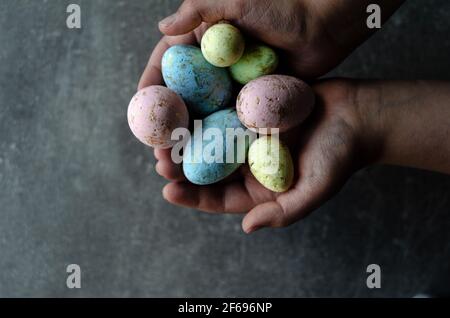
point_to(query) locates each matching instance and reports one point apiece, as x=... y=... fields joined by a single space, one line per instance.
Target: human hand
x=354 y=124
x=325 y=155
x=312 y=36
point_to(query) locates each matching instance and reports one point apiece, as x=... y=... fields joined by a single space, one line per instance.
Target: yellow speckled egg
x=271 y=163
x=222 y=45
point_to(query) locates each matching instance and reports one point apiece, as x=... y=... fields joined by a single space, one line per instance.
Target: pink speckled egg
x=153 y=113
x=274 y=101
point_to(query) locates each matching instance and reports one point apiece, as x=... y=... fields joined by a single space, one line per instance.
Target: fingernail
x=168 y=21
x=252 y=229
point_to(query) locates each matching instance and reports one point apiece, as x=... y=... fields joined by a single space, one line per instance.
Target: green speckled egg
x=271 y=163
x=258 y=60
x=222 y=45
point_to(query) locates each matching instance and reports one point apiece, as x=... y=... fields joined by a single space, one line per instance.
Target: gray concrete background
x=76 y=187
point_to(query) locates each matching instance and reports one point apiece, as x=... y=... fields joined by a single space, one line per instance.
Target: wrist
x=371 y=121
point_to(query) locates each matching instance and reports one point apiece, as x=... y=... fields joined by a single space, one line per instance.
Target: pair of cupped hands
x=312 y=36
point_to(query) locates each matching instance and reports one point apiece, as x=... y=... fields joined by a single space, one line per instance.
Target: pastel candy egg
x=205 y=157
x=258 y=60
x=204 y=87
x=153 y=113
x=274 y=101
x=222 y=45
x=271 y=163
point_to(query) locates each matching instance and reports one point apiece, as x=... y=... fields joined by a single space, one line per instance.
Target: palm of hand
x=325 y=158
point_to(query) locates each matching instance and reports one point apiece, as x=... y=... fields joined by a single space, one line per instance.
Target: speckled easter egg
x=153 y=113
x=204 y=87
x=271 y=163
x=222 y=45
x=258 y=60
x=274 y=101
x=205 y=157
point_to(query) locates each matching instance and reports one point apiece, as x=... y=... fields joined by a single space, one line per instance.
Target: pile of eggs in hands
x=200 y=85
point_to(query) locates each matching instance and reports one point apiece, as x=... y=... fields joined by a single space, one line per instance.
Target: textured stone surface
x=77 y=187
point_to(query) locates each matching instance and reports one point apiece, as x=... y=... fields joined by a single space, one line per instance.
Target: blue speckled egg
x=196 y=166
x=204 y=87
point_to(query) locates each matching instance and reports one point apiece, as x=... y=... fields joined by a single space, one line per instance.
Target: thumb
x=193 y=12
x=288 y=208
x=270 y=214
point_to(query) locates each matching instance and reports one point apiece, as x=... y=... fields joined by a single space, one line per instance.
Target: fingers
x=169 y=171
x=162 y=154
x=288 y=208
x=152 y=73
x=263 y=215
x=279 y=213
x=193 y=12
x=165 y=166
x=229 y=197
